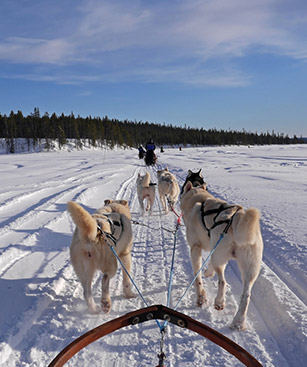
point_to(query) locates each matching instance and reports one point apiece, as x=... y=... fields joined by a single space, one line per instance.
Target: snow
x=42 y=306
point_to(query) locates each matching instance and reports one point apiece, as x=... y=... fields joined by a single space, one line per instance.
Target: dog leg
x=148 y=204
x=126 y=260
x=171 y=204
x=162 y=199
x=92 y=307
x=209 y=272
x=105 y=294
x=219 y=302
x=196 y=262
x=85 y=272
x=141 y=205
x=239 y=320
x=152 y=200
x=166 y=206
x=249 y=273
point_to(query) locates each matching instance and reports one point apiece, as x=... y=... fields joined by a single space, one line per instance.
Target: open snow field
x=41 y=303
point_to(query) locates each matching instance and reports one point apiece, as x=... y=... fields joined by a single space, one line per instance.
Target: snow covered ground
x=41 y=302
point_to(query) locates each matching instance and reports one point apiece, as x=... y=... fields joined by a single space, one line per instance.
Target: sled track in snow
x=39 y=222
x=55 y=312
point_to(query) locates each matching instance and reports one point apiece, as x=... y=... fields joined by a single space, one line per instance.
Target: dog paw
x=237 y=326
x=93 y=309
x=219 y=307
x=219 y=304
x=92 y=306
x=201 y=300
x=106 y=305
x=128 y=293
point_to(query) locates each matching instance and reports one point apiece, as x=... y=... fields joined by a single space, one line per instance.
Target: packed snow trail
x=42 y=305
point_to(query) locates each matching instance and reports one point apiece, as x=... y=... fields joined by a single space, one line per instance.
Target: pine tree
x=61 y=135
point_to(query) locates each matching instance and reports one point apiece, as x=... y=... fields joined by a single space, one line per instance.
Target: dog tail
x=85 y=223
x=246 y=226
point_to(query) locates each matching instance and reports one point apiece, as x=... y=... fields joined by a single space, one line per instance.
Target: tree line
x=101 y=131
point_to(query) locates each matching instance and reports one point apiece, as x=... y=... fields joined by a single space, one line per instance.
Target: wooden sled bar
x=158 y=312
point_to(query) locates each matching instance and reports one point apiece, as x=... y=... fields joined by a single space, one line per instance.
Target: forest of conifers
x=100 y=131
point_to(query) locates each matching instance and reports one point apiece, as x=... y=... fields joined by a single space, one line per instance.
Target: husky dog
x=206 y=218
x=168 y=188
x=145 y=190
x=196 y=178
x=89 y=249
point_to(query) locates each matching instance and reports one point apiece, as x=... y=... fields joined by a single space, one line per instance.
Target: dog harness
x=116 y=227
x=218 y=211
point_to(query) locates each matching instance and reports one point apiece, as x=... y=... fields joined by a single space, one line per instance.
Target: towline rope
x=200 y=270
x=132 y=281
x=154 y=229
x=162 y=328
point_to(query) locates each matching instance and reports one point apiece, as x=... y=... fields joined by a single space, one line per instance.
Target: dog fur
x=145 y=191
x=196 y=178
x=243 y=243
x=90 y=252
x=168 y=188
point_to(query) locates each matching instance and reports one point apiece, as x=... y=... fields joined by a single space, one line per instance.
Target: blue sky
x=225 y=64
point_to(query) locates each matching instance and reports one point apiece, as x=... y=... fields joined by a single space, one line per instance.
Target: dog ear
x=107 y=202
x=200 y=175
x=166 y=169
x=123 y=202
x=190 y=173
x=188 y=186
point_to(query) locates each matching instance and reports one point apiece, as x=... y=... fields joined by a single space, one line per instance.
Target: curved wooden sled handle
x=150 y=313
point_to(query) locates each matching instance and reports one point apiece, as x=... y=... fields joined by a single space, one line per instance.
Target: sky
x=210 y=64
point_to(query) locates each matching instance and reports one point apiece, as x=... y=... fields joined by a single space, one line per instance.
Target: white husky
x=168 y=188
x=90 y=252
x=206 y=218
x=145 y=191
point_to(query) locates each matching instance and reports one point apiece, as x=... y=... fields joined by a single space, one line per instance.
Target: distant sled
x=150 y=158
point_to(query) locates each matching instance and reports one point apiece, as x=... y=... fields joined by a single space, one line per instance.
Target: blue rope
x=171 y=275
x=162 y=327
x=199 y=271
x=172 y=271
x=132 y=281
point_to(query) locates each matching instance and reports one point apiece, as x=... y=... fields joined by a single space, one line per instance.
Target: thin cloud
x=35 y=51
x=152 y=42
x=85 y=93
